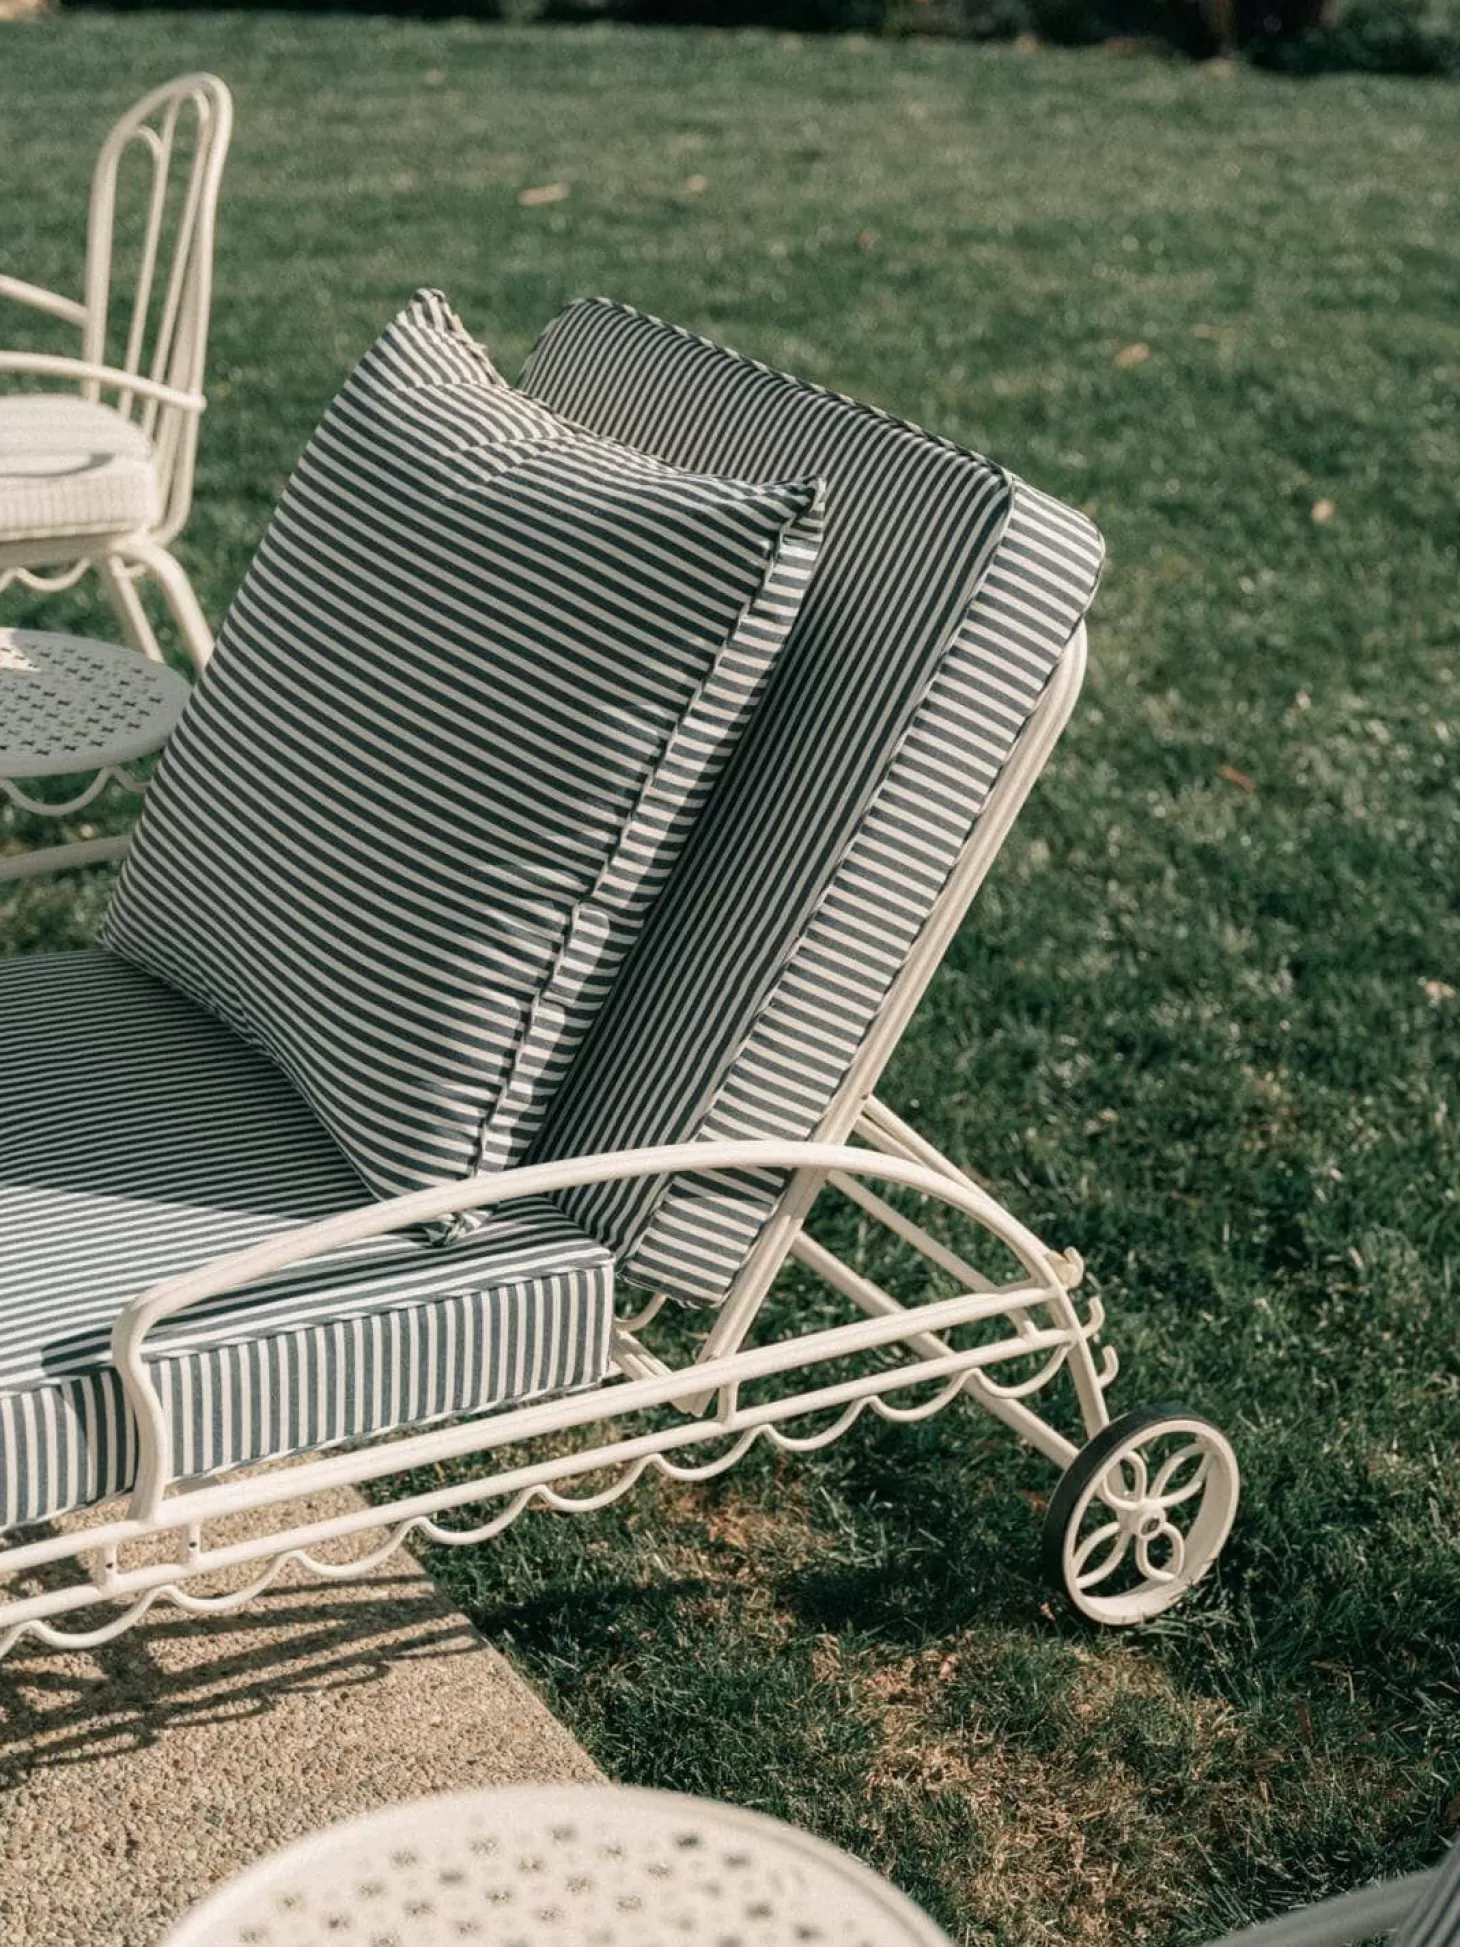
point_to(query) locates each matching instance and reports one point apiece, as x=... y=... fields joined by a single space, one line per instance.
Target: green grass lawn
x=1203 y=1023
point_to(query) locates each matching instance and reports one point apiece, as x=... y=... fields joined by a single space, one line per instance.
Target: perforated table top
x=559 y=1866
x=70 y=704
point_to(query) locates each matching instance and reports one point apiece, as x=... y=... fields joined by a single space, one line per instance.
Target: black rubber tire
x=1088 y=1464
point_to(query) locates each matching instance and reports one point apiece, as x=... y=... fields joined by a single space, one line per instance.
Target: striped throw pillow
x=463 y=712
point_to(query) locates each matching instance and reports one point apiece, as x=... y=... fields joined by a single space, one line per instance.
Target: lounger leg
x=1142 y=1506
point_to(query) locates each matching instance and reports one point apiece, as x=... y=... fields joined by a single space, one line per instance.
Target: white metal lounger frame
x=1141 y=1510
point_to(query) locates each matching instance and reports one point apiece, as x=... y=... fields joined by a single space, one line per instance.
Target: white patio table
x=559 y=1866
x=70 y=705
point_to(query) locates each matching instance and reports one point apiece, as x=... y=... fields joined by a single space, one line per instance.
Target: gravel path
x=136 y=1776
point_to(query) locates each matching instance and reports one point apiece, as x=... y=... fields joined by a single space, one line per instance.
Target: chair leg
x=122 y=593
x=178 y=591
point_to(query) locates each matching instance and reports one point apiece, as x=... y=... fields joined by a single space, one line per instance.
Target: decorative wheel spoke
x=1170 y=1569
x=1161 y=1489
x=1113 y=1534
x=1124 y=1487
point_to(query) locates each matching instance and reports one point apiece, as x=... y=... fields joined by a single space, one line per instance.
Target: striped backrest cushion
x=463 y=711
x=945 y=595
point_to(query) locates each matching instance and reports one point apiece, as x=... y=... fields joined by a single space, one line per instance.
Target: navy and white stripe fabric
x=946 y=593
x=463 y=713
x=139 y=1138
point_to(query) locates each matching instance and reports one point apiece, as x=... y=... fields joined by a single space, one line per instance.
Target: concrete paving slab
x=136 y=1776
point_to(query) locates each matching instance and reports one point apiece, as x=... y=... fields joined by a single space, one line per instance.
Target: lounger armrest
x=19 y=292
x=315 y=1240
x=49 y=365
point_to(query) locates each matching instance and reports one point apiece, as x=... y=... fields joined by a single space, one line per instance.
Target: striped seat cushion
x=945 y=595
x=139 y=1138
x=462 y=714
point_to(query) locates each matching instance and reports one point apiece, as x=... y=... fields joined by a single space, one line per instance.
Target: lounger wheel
x=1141 y=1513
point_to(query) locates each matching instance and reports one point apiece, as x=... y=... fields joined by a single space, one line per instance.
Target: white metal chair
x=102 y=477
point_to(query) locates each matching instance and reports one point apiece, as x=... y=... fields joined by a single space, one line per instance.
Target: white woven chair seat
x=139 y=1138
x=68 y=466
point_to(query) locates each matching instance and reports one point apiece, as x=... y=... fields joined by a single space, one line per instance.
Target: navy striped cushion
x=945 y=594
x=463 y=712
x=139 y=1137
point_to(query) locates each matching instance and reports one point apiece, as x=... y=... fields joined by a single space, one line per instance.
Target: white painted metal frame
x=1162 y=1523
x=158 y=381
x=610 y=1864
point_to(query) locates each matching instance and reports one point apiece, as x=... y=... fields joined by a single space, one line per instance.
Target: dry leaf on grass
x=534 y=199
x=866 y=240
x=1129 y=355
x=1231 y=775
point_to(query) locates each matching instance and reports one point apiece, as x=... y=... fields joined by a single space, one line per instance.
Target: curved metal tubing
x=142 y=555
x=61 y=858
x=47 y=808
x=192 y=1507
x=186 y=1512
x=539 y=1179
x=42 y=584
x=540 y=1495
x=175 y=357
x=39 y=299
x=52 y=365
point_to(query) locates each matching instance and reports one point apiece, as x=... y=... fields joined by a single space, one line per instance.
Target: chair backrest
x=946 y=595
x=182 y=129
